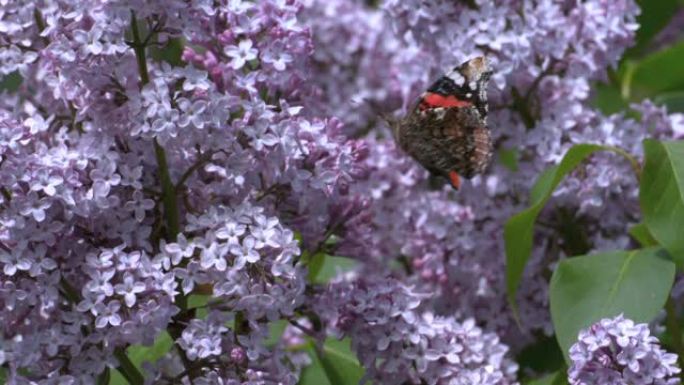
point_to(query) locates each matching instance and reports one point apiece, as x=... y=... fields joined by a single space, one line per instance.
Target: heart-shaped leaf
x=557 y=378
x=138 y=354
x=658 y=72
x=334 y=364
x=653 y=17
x=586 y=289
x=519 y=229
x=661 y=195
x=674 y=101
x=641 y=234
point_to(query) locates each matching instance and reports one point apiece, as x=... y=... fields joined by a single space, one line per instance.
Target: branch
x=202 y=160
x=169 y=202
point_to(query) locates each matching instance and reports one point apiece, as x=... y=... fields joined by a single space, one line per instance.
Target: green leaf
x=609 y=99
x=171 y=52
x=340 y=364
x=585 y=289
x=3 y=375
x=655 y=14
x=11 y=82
x=557 y=378
x=139 y=354
x=314 y=373
x=661 y=195
x=199 y=303
x=116 y=378
x=519 y=229
x=275 y=331
x=674 y=101
x=641 y=234
x=542 y=356
x=543 y=184
x=104 y=377
x=658 y=72
x=198 y=300
x=509 y=158
x=332 y=266
x=335 y=364
x=315 y=265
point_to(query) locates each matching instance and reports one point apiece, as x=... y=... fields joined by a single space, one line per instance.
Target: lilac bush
x=132 y=182
x=618 y=351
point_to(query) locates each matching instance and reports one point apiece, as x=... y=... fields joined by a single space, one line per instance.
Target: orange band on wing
x=432 y=100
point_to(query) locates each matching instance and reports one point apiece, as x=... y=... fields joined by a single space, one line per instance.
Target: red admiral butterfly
x=447 y=131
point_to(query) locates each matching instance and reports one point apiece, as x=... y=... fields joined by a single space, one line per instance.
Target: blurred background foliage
x=654 y=67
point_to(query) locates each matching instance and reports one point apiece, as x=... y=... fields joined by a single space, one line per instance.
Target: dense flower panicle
x=398 y=342
x=232 y=243
x=618 y=351
x=85 y=269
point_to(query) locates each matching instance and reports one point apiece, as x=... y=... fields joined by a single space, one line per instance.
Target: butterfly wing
x=447 y=132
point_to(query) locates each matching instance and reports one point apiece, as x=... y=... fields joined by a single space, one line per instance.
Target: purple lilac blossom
x=618 y=351
x=398 y=343
x=85 y=267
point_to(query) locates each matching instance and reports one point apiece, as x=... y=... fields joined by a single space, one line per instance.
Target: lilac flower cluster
x=233 y=242
x=397 y=342
x=618 y=351
x=129 y=184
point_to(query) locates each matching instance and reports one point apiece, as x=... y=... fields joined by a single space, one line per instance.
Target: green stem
x=201 y=160
x=240 y=325
x=38 y=18
x=169 y=201
x=139 y=49
x=168 y=188
x=632 y=160
x=674 y=330
x=6 y=194
x=168 y=194
x=127 y=369
x=522 y=107
x=626 y=86
x=175 y=330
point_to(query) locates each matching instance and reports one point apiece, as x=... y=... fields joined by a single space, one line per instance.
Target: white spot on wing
x=439 y=112
x=456 y=77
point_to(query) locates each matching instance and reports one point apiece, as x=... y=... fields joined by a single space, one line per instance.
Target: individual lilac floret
x=617 y=351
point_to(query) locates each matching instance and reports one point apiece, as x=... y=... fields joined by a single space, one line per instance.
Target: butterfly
x=446 y=131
